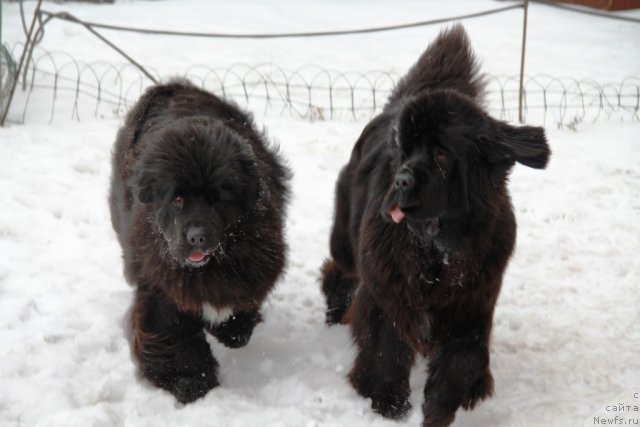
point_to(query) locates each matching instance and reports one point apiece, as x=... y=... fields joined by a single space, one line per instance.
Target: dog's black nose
x=197 y=237
x=404 y=181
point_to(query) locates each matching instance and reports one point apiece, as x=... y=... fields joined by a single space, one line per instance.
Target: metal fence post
x=36 y=12
x=524 y=45
x=1 y=50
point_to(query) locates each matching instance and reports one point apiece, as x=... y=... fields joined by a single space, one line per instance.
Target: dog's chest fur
x=214 y=315
x=409 y=270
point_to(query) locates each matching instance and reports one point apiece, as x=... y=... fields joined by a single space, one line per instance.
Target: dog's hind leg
x=338 y=273
x=338 y=289
x=171 y=348
x=384 y=361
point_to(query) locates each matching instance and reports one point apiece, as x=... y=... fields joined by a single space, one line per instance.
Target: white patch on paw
x=214 y=315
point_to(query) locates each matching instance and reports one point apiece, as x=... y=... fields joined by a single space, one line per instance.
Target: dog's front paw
x=236 y=331
x=391 y=405
x=436 y=415
x=186 y=389
x=235 y=340
x=389 y=400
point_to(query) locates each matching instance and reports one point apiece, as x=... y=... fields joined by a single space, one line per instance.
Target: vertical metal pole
x=26 y=48
x=1 y=100
x=524 y=45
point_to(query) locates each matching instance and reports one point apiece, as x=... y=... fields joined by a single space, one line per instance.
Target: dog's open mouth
x=197 y=259
x=396 y=214
x=431 y=226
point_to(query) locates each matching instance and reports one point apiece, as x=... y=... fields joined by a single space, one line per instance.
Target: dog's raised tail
x=448 y=63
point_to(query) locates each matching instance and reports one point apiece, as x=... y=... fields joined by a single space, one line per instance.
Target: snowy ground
x=566 y=337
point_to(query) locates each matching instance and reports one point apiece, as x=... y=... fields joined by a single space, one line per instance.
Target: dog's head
x=199 y=178
x=450 y=157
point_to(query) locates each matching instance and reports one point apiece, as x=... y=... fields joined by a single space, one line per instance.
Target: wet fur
x=180 y=140
x=429 y=284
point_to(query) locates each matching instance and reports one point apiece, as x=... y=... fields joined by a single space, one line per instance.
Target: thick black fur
x=423 y=231
x=198 y=203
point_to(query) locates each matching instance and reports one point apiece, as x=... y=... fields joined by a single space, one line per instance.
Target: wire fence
x=57 y=86
x=36 y=31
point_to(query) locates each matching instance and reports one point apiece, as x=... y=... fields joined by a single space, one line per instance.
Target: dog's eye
x=441 y=155
x=178 y=201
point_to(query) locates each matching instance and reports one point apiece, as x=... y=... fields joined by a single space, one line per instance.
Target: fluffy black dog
x=197 y=201
x=423 y=231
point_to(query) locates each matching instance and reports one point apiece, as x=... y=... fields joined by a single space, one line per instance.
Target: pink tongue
x=196 y=256
x=396 y=214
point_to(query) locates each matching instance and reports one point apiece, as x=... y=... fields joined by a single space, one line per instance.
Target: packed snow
x=566 y=334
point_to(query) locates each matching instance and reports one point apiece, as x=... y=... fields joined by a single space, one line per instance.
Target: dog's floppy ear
x=525 y=144
x=143 y=187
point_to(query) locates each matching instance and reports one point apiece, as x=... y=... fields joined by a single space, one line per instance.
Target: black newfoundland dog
x=198 y=202
x=423 y=231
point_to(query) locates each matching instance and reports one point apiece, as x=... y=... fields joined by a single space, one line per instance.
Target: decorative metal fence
x=57 y=86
